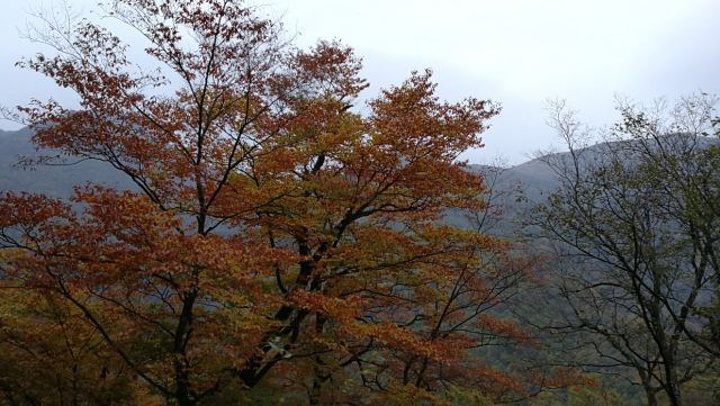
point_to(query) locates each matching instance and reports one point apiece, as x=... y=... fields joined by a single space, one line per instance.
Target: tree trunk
x=651 y=398
x=672 y=387
x=315 y=392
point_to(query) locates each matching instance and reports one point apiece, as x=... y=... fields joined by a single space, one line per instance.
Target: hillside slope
x=533 y=180
x=51 y=180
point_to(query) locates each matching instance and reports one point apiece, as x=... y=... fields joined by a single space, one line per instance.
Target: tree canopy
x=274 y=239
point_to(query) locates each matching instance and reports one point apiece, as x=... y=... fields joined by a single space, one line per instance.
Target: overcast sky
x=517 y=52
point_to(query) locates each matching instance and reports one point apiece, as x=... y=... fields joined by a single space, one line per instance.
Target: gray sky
x=517 y=52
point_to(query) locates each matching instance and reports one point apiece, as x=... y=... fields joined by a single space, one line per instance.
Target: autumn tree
x=274 y=238
x=634 y=225
x=49 y=355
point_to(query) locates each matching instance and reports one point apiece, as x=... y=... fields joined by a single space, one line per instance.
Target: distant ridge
x=535 y=177
x=54 y=180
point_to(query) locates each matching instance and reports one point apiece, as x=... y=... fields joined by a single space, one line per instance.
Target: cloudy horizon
x=518 y=53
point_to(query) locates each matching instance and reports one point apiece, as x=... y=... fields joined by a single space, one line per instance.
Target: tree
x=635 y=224
x=49 y=355
x=274 y=238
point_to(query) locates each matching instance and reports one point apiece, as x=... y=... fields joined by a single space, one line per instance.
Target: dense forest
x=230 y=228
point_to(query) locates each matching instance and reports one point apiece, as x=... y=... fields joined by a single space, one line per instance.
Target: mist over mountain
x=511 y=189
x=55 y=180
x=534 y=178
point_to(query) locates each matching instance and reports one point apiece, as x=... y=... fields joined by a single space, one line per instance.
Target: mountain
x=51 y=180
x=534 y=176
x=513 y=189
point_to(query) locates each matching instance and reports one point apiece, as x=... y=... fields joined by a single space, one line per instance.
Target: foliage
x=274 y=239
x=49 y=355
